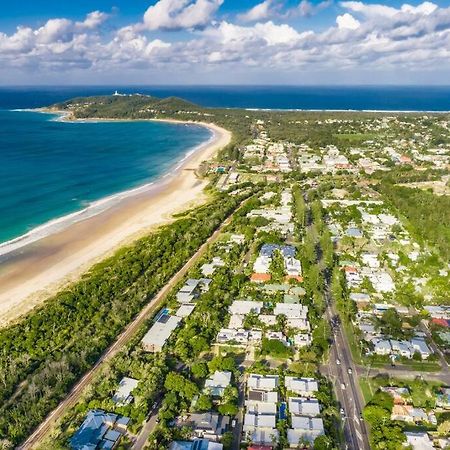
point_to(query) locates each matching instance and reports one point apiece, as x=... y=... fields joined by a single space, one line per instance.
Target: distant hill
x=124 y=106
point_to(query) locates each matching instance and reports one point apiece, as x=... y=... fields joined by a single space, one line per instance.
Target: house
x=302 y=406
x=269 y=249
x=421 y=346
x=305 y=387
x=99 y=430
x=236 y=321
x=123 y=395
x=196 y=444
x=245 y=307
x=302 y=340
x=293 y=266
x=208 y=269
x=382 y=346
x=291 y=310
x=185 y=310
x=354 y=232
x=262 y=382
x=277 y=336
x=298 y=324
x=401 y=348
x=260 y=277
x=218 y=382
x=305 y=429
x=229 y=335
x=418 y=440
x=371 y=260
x=261 y=402
x=255 y=420
x=192 y=289
x=159 y=333
x=260 y=428
x=262 y=264
x=438 y=312
x=209 y=425
x=399 y=394
x=259 y=447
x=268 y=319
x=410 y=414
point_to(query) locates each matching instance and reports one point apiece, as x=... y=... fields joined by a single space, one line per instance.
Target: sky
x=271 y=42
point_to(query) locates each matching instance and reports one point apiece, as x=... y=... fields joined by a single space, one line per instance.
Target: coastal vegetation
x=44 y=354
x=427 y=213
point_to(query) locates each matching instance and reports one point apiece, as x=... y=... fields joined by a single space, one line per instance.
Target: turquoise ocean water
x=49 y=168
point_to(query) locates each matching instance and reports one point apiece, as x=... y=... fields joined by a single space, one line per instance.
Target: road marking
x=359 y=435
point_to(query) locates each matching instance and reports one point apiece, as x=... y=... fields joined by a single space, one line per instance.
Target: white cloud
x=261 y=11
x=266 y=32
x=93 y=20
x=366 y=37
x=306 y=8
x=347 y=22
x=379 y=10
x=179 y=14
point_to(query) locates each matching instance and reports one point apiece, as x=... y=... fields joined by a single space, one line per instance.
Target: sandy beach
x=39 y=269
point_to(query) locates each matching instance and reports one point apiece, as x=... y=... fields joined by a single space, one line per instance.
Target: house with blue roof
x=99 y=431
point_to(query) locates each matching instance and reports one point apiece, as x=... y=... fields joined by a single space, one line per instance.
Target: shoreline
x=36 y=266
x=11 y=246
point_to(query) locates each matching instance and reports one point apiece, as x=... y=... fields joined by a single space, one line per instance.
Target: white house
x=262 y=264
x=302 y=340
x=123 y=395
x=262 y=382
x=305 y=387
x=291 y=310
x=218 y=382
x=304 y=428
x=245 y=307
x=302 y=406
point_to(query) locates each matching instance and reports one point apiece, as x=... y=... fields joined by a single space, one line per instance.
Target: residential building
x=209 y=425
x=99 y=430
x=419 y=440
x=218 y=382
x=159 y=333
x=304 y=387
x=262 y=382
x=303 y=406
x=305 y=429
x=123 y=395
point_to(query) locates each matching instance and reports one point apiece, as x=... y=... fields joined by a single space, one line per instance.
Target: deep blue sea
x=49 y=169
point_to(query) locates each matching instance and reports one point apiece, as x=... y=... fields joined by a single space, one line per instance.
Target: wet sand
x=36 y=271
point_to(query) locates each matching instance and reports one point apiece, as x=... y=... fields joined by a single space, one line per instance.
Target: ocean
x=376 y=98
x=49 y=169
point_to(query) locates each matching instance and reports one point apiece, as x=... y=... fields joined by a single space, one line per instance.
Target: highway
x=346 y=386
x=123 y=339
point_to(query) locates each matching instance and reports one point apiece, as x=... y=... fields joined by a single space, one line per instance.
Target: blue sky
x=225 y=42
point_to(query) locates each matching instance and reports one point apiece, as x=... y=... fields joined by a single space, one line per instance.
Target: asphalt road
x=237 y=430
x=72 y=398
x=147 y=429
x=346 y=387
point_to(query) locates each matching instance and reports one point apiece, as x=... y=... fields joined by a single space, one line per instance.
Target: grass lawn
x=356 y=354
x=367 y=389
